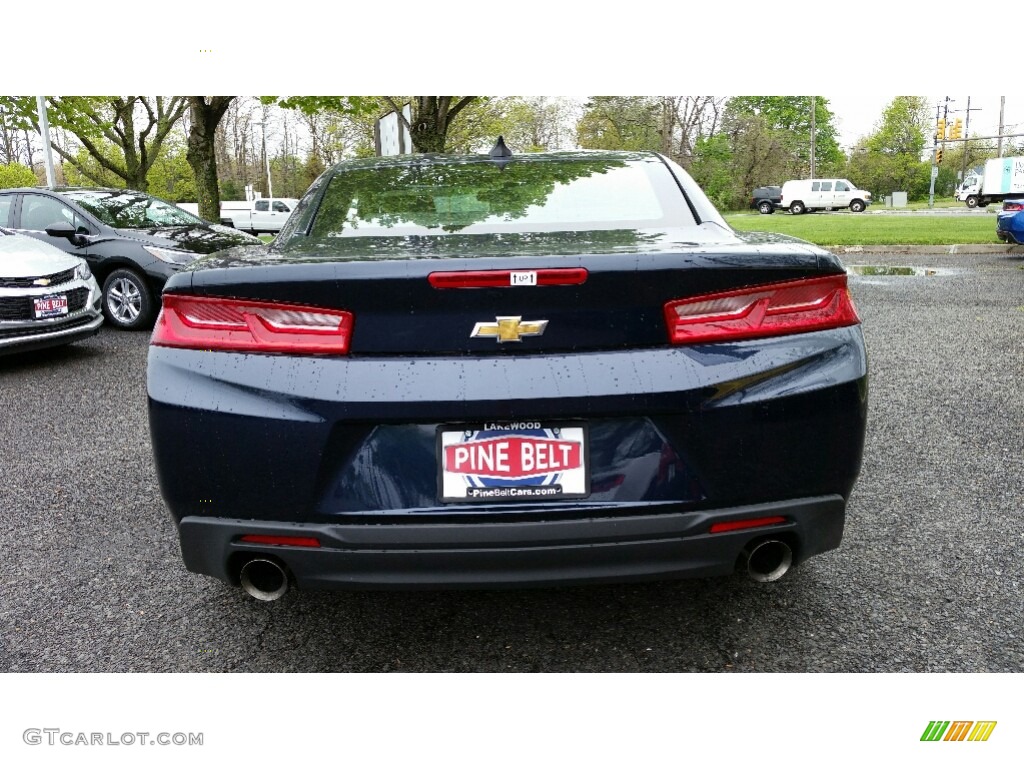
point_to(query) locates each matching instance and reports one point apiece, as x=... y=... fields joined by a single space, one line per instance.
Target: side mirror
x=65 y=230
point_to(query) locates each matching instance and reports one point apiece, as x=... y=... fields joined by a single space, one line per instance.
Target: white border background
x=526 y=48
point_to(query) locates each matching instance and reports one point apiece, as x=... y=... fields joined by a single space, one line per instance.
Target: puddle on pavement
x=879 y=270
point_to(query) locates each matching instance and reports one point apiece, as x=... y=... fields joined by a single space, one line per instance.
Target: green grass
x=265 y=237
x=854 y=229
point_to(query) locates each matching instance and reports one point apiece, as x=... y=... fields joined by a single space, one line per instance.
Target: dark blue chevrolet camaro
x=478 y=371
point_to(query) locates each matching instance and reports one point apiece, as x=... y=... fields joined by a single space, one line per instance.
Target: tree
x=16 y=175
x=903 y=129
x=889 y=160
x=123 y=134
x=620 y=122
x=791 y=117
x=205 y=113
x=432 y=117
x=672 y=125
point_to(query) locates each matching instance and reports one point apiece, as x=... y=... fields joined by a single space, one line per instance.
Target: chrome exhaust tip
x=263 y=579
x=769 y=560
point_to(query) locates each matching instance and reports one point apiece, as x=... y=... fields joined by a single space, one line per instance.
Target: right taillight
x=241 y=325
x=796 y=306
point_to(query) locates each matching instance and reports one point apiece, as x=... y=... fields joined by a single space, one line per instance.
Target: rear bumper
x=519 y=554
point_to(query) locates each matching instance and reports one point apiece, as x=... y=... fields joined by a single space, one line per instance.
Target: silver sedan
x=47 y=297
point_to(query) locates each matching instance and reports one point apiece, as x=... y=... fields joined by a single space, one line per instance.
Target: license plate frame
x=559 y=452
x=51 y=305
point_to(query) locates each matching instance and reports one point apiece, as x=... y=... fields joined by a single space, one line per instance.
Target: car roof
x=60 y=190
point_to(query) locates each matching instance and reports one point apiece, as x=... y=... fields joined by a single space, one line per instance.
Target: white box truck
x=1001 y=177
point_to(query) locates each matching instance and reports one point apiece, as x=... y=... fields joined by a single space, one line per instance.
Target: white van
x=805 y=195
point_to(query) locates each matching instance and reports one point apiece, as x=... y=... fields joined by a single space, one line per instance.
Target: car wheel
x=972 y=201
x=857 y=206
x=765 y=207
x=797 y=208
x=127 y=301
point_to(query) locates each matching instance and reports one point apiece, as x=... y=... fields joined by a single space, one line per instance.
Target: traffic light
x=940 y=129
x=958 y=129
x=938 y=156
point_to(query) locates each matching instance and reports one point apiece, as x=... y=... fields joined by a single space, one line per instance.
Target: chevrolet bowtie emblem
x=508 y=329
x=41 y=281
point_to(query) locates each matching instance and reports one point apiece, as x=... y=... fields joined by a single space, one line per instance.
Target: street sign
x=935 y=171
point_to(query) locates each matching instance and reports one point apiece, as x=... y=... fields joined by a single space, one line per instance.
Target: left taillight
x=211 y=323
x=796 y=306
x=1013 y=206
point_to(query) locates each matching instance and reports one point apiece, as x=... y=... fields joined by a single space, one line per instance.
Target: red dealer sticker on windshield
x=509 y=461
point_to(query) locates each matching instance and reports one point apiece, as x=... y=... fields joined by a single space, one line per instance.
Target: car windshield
x=572 y=193
x=125 y=209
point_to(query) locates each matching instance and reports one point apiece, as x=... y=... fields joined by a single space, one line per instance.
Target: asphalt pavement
x=928 y=577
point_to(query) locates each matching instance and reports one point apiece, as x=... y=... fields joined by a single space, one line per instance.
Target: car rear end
x=553 y=370
x=1010 y=222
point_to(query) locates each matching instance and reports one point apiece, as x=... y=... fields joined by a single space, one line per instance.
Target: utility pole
x=935 y=157
x=1002 y=106
x=940 y=135
x=44 y=129
x=967 y=133
x=813 y=137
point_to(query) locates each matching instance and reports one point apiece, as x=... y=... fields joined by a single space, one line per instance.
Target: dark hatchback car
x=766 y=199
x=466 y=371
x=132 y=241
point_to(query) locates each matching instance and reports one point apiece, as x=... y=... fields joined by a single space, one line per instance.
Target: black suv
x=766 y=199
x=132 y=241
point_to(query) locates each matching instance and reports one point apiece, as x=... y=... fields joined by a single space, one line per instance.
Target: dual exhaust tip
x=264 y=579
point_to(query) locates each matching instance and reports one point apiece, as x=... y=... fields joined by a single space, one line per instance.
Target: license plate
x=50 y=306
x=513 y=461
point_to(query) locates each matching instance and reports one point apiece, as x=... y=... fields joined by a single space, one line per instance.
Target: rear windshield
x=479 y=197
x=125 y=209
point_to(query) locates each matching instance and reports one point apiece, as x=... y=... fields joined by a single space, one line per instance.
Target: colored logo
x=513 y=458
x=509 y=329
x=958 y=730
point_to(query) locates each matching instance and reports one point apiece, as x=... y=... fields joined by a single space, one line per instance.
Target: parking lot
x=928 y=577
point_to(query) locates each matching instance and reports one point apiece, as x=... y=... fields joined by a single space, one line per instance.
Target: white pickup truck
x=262 y=215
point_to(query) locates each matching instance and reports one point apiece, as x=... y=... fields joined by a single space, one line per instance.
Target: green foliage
x=890 y=159
x=231 y=190
x=311 y=105
x=620 y=122
x=903 y=129
x=122 y=134
x=788 y=118
x=171 y=177
x=16 y=175
x=85 y=171
x=712 y=168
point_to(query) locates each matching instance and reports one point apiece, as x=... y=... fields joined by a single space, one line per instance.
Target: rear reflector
x=508 y=278
x=797 y=306
x=1013 y=206
x=281 y=541
x=196 y=322
x=739 y=525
